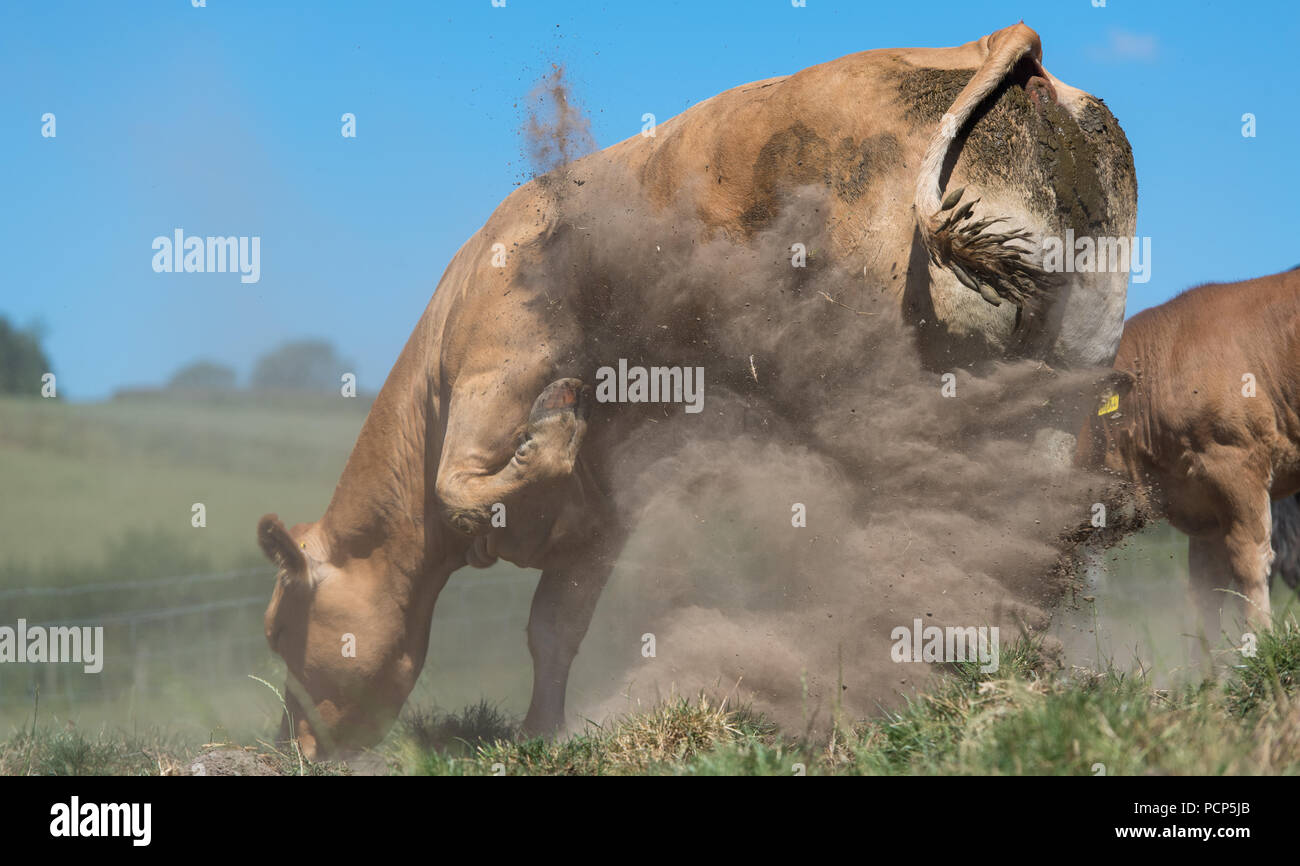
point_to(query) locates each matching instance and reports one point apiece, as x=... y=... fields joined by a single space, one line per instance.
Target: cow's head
x=342 y=633
x=1109 y=435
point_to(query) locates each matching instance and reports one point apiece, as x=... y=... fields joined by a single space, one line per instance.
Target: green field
x=79 y=477
x=95 y=526
x=95 y=516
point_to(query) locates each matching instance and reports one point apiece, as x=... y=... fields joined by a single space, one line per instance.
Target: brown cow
x=534 y=304
x=1204 y=413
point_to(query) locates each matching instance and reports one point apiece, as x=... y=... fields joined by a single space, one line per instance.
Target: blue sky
x=226 y=120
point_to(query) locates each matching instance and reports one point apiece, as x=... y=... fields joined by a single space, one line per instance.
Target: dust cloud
x=954 y=510
x=555 y=130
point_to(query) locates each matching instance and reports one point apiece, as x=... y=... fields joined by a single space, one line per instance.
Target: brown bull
x=1203 y=413
x=487 y=409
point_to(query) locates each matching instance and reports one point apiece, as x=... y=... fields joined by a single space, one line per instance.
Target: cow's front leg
x=563 y=605
x=1238 y=555
x=1242 y=486
x=1249 y=550
x=471 y=482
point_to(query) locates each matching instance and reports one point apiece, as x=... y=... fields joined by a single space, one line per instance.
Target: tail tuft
x=986 y=261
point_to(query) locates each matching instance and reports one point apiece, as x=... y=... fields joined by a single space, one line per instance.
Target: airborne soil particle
x=231 y=762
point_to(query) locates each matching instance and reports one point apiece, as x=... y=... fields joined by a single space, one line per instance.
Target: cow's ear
x=279 y=546
x=1123 y=382
x=1113 y=390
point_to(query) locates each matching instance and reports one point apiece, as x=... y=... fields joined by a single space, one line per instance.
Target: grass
x=681 y=736
x=1024 y=719
x=67 y=751
x=1270 y=678
x=426 y=731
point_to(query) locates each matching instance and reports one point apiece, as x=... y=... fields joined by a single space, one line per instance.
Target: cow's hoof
x=562 y=396
x=540 y=726
x=556 y=426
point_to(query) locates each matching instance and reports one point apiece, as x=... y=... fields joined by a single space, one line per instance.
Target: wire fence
x=211 y=629
x=125 y=585
x=189 y=633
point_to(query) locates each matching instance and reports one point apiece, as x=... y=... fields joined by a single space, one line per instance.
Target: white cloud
x=1123 y=46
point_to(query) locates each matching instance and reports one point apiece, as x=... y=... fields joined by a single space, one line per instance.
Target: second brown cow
x=1201 y=413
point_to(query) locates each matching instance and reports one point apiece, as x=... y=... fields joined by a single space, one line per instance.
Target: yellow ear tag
x=1109 y=403
x=303 y=545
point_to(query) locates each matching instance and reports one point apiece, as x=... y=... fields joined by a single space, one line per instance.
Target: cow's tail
x=1286 y=541
x=983 y=259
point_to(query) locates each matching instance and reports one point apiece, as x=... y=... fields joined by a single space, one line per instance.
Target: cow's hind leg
x=1208 y=570
x=562 y=608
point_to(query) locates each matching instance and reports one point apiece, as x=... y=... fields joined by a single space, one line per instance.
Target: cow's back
x=1219 y=366
x=854 y=130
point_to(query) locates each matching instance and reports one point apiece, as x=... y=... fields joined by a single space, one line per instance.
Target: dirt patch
x=791 y=157
x=228 y=761
x=798 y=156
x=231 y=760
x=1059 y=165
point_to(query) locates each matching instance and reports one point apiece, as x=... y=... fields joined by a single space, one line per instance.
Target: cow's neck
x=379 y=509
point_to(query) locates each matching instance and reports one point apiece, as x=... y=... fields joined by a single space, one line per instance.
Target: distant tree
x=203 y=376
x=22 y=361
x=301 y=365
